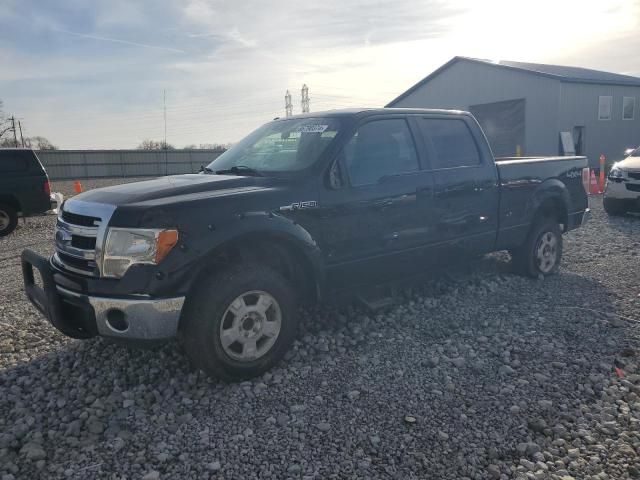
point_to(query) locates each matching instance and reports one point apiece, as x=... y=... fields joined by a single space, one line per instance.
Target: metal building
x=534 y=109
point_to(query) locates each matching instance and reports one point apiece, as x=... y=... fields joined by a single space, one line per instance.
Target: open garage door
x=503 y=124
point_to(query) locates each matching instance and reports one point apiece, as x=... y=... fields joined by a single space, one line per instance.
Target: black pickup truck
x=24 y=187
x=301 y=207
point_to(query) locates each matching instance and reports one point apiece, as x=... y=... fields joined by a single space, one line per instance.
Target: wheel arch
x=552 y=200
x=10 y=200
x=289 y=249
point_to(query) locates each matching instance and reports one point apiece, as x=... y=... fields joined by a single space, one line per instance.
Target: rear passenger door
x=466 y=192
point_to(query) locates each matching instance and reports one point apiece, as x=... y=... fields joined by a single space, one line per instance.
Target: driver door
x=376 y=221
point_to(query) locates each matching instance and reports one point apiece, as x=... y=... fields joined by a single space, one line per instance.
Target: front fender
x=249 y=226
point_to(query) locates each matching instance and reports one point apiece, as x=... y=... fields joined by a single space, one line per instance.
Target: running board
x=377 y=298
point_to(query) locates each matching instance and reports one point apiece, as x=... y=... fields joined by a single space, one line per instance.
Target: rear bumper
x=82 y=316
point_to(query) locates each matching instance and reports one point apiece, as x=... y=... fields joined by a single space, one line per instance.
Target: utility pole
x=21 y=137
x=288 y=107
x=305 y=99
x=13 y=127
x=166 y=159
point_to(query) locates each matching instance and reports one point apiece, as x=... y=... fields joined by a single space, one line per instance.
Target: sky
x=95 y=73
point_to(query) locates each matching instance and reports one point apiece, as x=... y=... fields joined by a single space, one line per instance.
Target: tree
x=155 y=145
x=39 y=143
x=218 y=147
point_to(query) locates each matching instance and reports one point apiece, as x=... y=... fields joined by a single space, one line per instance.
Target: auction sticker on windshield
x=310 y=128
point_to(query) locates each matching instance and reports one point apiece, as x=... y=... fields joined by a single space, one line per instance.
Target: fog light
x=117 y=320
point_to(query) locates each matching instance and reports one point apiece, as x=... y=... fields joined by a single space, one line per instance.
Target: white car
x=622 y=193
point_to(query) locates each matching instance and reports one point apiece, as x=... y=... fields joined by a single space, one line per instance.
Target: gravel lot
x=479 y=374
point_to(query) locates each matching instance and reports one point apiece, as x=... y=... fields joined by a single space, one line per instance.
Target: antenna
x=305 y=99
x=164 y=101
x=288 y=106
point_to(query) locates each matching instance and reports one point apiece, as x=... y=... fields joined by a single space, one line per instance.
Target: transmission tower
x=305 y=99
x=288 y=106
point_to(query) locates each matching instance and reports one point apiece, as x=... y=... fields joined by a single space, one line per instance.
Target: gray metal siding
x=83 y=164
x=468 y=83
x=579 y=107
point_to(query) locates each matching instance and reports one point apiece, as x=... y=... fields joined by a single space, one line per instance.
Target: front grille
x=77 y=239
x=634 y=175
x=633 y=187
x=83 y=243
x=82 y=220
x=77 y=263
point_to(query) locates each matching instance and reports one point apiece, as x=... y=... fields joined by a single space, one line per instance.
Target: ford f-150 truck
x=301 y=207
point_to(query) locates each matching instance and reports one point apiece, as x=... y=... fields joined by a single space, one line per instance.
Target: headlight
x=129 y=246
x=616 y=173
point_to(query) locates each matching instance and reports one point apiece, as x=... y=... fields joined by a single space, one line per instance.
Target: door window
x=12 y=163
x=380 y=149
x=451 y=142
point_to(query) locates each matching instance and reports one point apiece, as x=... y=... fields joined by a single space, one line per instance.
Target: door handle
x=384 y=204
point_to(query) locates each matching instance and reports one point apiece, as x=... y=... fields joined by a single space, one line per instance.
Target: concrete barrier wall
x=83 y=164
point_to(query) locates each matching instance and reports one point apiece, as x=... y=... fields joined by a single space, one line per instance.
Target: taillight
x=586 y=179
x=47 y=187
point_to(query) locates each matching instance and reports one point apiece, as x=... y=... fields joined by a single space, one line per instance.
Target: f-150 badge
x=300 y=205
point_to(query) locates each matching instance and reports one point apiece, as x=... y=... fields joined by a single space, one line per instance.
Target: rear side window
x=12 y=162
x=379 y=149
x=451 y=142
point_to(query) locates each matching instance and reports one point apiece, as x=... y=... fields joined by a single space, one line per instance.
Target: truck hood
x=629 y=163
x=172 y=186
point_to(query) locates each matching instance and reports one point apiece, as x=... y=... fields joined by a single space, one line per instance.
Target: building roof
x=558 y=72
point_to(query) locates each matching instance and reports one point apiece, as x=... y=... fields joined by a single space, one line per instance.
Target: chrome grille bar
x=80 y=260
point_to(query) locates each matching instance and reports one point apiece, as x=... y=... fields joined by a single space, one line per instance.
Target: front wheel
x=541 y=252
x=240 y=322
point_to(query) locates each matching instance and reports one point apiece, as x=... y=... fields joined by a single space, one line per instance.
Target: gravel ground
x=478 y=374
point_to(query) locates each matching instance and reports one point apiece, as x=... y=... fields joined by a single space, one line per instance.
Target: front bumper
x=82 y=316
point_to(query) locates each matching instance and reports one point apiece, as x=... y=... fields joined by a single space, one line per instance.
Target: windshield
x=282 y=146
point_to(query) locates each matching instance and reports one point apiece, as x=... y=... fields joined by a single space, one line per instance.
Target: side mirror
x=629 y=151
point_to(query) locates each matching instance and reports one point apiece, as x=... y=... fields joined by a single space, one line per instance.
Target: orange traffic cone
x=593 y=185
x=77 y=187
x=601 y=180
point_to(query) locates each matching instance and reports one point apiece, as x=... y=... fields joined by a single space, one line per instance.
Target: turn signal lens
x=167 y=239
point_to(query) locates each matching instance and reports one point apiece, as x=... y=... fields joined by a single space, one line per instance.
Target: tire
x=541 y=252
x=230 y=322
x=8 y=219
x=612 y=208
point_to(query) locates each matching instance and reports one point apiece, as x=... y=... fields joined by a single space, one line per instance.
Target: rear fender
x=550 y=197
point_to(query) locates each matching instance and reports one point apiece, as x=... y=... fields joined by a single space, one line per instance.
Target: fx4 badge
x=300 y=205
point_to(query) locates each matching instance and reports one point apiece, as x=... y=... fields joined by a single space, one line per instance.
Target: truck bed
x=523 y=180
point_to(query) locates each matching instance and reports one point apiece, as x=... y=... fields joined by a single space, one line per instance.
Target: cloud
x=120 y=41
x=93 y=73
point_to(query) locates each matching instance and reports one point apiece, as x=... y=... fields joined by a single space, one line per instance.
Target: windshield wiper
x=240 y=170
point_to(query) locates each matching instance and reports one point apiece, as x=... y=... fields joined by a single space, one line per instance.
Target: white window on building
x=604 y=108
x=628 y=108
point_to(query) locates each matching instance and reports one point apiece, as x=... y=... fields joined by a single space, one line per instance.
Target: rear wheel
x=541 y=252
x=8 y=219
x=240 y=322
x=612 y=207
